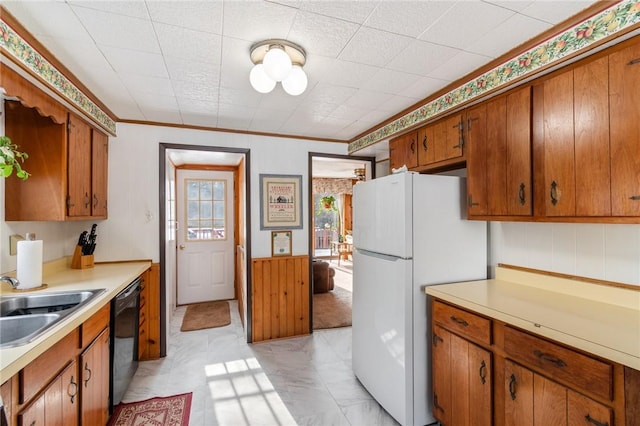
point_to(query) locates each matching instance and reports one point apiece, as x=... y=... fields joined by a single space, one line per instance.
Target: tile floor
x=306 y=380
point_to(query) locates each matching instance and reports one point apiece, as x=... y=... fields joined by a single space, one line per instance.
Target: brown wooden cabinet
x=486 y=372
x=532 y=399
x=498 y=154
x=403 y=150
x=149 y=325
x=461 y=381
x=94 y=374
x=624 y=113
x=68 y=166
x=426 y=146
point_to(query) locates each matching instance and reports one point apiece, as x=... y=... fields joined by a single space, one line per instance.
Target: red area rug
x=161 y=411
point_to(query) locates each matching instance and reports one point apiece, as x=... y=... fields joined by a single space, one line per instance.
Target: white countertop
x=113 y=277
x=598 y=319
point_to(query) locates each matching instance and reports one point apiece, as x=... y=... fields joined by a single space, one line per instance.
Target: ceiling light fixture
x=275 y=61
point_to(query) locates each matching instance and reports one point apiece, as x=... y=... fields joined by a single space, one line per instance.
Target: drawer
x=559 y=362
x=92 y=327
x=462 y=322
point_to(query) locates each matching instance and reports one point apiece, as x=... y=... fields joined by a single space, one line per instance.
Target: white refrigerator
x=409 y=231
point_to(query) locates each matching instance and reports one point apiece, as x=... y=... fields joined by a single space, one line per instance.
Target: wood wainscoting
x=280 y=297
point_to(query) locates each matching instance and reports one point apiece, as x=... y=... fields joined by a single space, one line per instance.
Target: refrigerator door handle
x=380 y=255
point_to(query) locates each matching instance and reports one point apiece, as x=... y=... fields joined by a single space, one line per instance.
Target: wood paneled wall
x=280 y=297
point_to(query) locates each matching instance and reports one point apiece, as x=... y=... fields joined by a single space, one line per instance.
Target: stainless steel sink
x=24 y=317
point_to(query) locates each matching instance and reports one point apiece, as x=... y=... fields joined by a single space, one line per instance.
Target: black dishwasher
x=125 y=309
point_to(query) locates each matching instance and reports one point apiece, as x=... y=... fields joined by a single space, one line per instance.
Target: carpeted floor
x=333 y=309
x=170 y=410
x=206 y=315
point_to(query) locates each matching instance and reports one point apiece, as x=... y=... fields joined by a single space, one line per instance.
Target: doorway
x=330 y=240
x=207 y=159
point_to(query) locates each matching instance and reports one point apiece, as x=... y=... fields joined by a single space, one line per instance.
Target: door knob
x=181 y=246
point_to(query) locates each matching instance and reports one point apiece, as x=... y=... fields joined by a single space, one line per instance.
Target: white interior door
x=205 y=239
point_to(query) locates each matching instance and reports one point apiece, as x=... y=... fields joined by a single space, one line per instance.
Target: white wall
x=607 y=252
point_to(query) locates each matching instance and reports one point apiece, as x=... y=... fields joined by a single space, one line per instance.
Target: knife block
x=80 y=261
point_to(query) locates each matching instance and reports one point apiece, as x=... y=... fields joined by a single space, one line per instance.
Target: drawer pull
x=635 y=198
x=634 y=61
x=483 y=372
x=594 y=421
x=436 y=338
x=547 y=357
x=512 y=387
x=459 y=321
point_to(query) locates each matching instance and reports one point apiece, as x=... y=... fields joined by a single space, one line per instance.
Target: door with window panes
x=205 y=240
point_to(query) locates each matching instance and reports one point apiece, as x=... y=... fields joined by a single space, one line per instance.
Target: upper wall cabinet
x=624 y=120
x=68 y=166
x=498 y=156
x=403 y=151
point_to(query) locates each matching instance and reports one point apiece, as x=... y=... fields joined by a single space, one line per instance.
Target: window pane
x=192 y=210
x=218 y=210
x=218 y=190
x=219 y=231
x=205 y=210
x=205 y=190
x=192 y=189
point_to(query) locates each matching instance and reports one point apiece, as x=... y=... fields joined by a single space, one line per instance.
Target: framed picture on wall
x=280 y=243
x=280 y=201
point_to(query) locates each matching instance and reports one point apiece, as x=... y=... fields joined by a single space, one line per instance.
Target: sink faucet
x=12 y=281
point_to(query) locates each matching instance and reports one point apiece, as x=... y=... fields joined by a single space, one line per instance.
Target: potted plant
x=328 y=203
x=10 y=158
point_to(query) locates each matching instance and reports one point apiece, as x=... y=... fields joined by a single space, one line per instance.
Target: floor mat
x=206 y=315
x=170 y=410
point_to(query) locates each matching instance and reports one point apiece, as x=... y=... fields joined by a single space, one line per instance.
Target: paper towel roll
x=29 y=270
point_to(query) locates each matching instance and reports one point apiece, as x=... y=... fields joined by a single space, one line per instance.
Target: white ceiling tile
x=390 y=81
x=471 y=20
x=131 y=61
x=515 y=5
x=510 y=33
x=346 y=112
x=329 y=93
x=560 y=11
x=158 y=101
x=338 y=72
x=188 y=44
x=421 y=57
x=235 y=116
x=459 y=65
x=409 y=18
x=396 y=104
x=168 y=115
x=145 y=83
x=196 y=106
x=207 y=119
x=196 y=15
x=367 y=99
x=192 y=71
x=255 y=21
x=352 y=11
x=236 y=63
x=38 y=15
x=387 y=45
x=114 y=30
x=136 y=9
x=195 y=90
x=242 y=97
x=320 y=35
x=424 y=87
x=279 y=100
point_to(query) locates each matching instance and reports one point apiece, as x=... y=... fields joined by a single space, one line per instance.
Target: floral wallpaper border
x=12 y=43
x=610 y=21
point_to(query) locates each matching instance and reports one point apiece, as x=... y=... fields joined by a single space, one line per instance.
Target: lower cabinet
x=532 y=399
x=486 y=372
x=462 y=381
x=58 y=404
x=94 y=363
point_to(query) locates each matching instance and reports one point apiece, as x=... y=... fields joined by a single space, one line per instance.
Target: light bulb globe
x=259 y=79
x=296 y=82
x=277 y=63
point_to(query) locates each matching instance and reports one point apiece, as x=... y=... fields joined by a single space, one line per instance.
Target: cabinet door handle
x=521 y=194
x=546 y=357
x=470 y=202
x=87 y=200
x=460 y=127
x=72 y=389
x=594 y=421
x=553 y=192
x=95 y=201
x=435 y=403
x=413 y=146
x=634 y=61
x=459 y=321
x=483 y=372
x=512 y=387
x=86 y=368
x=635 y=198
x=436 y=338
x=424 y=142
x=69 y=203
